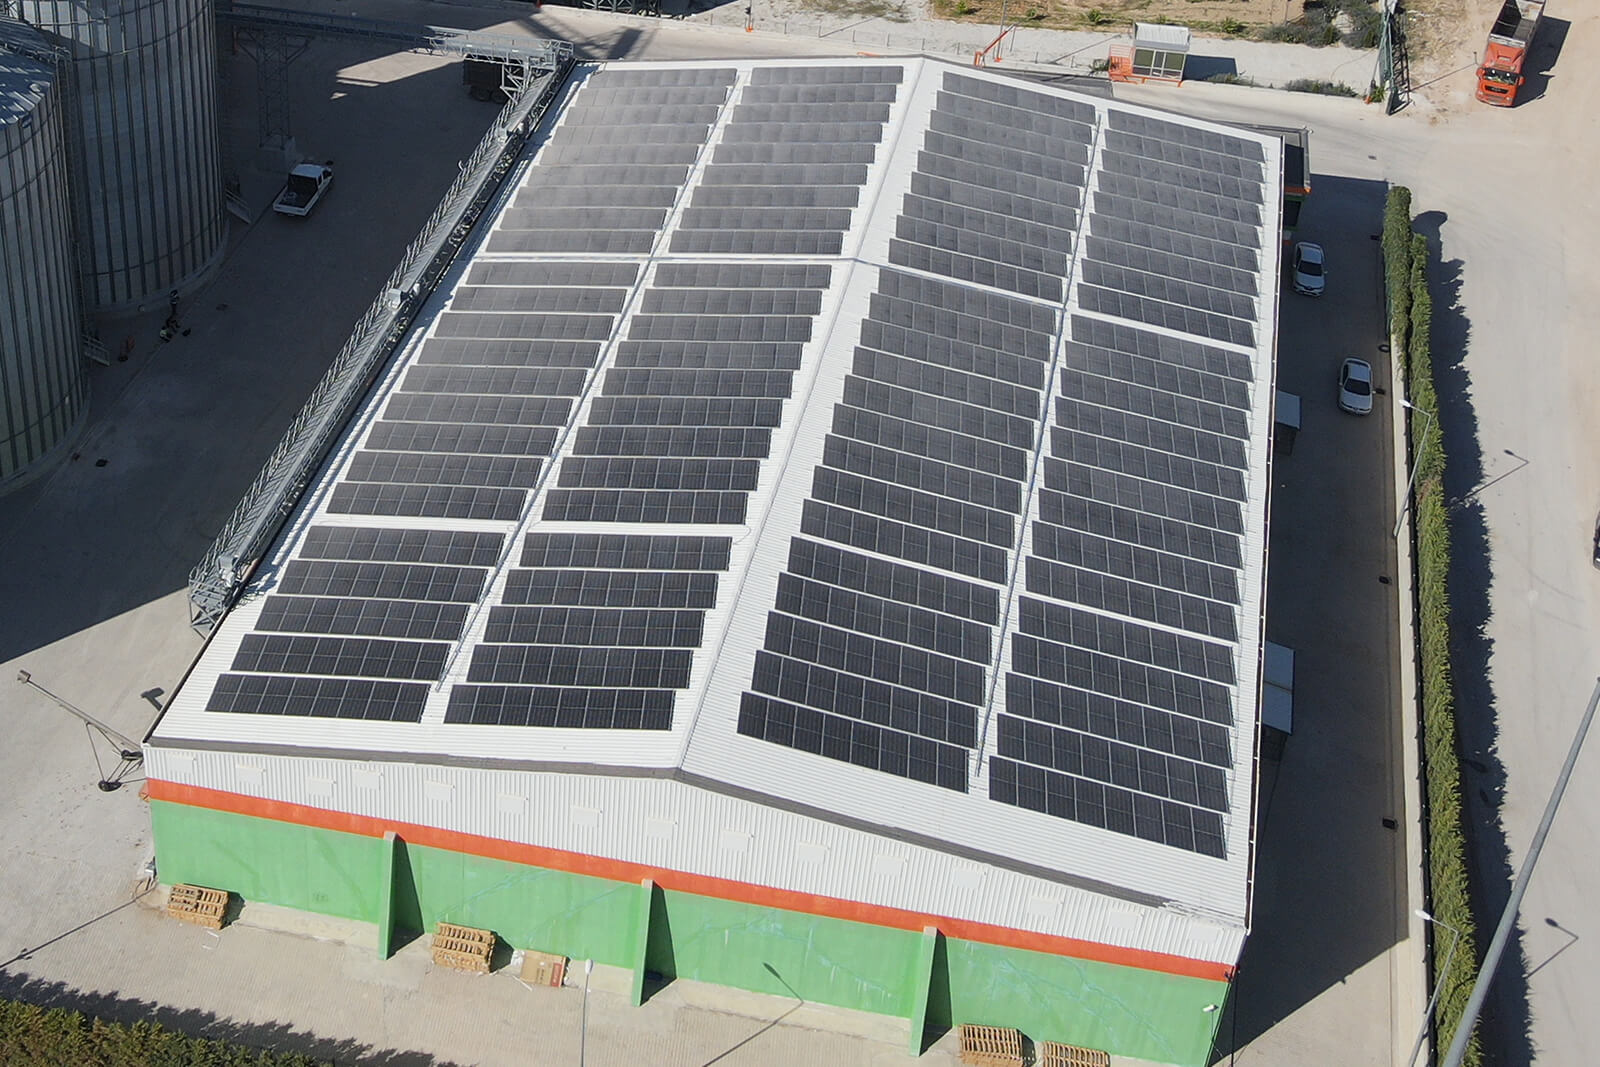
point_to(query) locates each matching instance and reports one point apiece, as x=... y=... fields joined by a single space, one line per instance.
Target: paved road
x=1504 y=198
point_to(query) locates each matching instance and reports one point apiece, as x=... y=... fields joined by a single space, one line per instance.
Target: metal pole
x=130 y=748
x=1438 y=987
x=1415 y=467
x=1491 y=959
x=583 y=1025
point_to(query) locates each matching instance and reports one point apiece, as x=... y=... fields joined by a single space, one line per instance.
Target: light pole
x=1438 y=987
x=583 y=1024
x=1508 y=917
x=1415 y=467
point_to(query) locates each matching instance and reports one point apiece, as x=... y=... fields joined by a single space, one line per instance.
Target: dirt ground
x=1223 y=17
x=1445 y=36
x=1216 y=16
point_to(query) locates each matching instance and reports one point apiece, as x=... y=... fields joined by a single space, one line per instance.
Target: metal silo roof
x=25 y=77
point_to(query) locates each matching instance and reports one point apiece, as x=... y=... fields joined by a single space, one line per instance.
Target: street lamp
x=1415 y=467
x=1438 y=987
x=583 y=1025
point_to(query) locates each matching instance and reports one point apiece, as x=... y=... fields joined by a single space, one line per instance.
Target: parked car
x=1355 y=387
x=307 y=182
x=1310 y=270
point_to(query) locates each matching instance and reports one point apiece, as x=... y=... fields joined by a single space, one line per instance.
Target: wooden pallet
x=1055 y=1054
x=463 y=947
x=199 y=905
x=991 y=1046
x=543 y=968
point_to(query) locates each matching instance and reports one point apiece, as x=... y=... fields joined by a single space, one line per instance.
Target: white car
x=1355 y=387
x=1310 y=272
x=307 y=182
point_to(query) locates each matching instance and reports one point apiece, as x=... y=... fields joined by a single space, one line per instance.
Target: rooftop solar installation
x=880 y=438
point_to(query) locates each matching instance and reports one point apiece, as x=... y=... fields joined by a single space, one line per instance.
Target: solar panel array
x=594 y=631
x=925 y=464
x=994 y=199
x=1176 y=229
x=611 y=172
x=1020 y=559
x=686 y=412
x=600 y=630
x=788 y=170
x=1118 y=708
x=359 y=624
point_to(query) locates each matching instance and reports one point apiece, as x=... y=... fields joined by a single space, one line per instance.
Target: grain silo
x=42 y=386
x=143 y=78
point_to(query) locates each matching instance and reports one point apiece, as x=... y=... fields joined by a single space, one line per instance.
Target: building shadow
x=660 y=961
x=1506 y=1024
x=273 y=1037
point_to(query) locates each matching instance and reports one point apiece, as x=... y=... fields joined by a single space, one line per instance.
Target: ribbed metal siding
x=42 y=385
x=144 y=82
x=671 y=825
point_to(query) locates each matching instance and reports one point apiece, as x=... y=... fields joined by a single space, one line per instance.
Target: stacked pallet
x=199 y=905
x=1054 y=1054
x=991 y=1046
x=463 y=947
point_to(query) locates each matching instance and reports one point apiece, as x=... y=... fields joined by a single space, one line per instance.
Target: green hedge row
x=1411 y=319
x=53 y=1037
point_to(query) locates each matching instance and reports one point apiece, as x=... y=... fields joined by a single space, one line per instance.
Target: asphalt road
x=1503 y=197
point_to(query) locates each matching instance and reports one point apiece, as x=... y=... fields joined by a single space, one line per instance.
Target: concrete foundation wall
x=1127 y=1011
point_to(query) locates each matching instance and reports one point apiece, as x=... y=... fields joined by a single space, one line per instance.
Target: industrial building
x=812 y=541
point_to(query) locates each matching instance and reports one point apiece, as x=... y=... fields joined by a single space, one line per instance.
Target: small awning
x=1161 y=38
x=1277 y=691
x=1288 y=410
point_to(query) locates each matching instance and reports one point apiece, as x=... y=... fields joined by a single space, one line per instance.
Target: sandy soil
x=1445 y=37
x=1110 y=15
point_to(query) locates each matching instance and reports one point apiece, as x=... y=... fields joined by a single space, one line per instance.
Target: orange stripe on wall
x=682 y=881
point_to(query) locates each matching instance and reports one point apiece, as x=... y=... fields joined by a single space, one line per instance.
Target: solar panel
x=585 y=615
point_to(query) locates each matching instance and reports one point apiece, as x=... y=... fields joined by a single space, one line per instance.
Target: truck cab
x=307 y=182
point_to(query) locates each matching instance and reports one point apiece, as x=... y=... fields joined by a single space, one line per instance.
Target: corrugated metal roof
x=882 y=438
x=24 y=77
x=1161 y=36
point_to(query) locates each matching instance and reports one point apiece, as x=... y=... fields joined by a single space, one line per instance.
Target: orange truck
x=1511 y=37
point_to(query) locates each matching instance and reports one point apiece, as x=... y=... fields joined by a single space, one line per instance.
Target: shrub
x=1314 y=30
x=1231 y=79
x=1313 y=85
x=46 y=1037
x=1366 y=27
x=1231 y=26
x=1411 y=316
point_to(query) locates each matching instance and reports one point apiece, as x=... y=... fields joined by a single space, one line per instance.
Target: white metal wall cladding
x=42 y=385
x=666 y=823
x=150 y=173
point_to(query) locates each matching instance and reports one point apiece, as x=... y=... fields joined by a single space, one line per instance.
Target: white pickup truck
x=307 y=182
